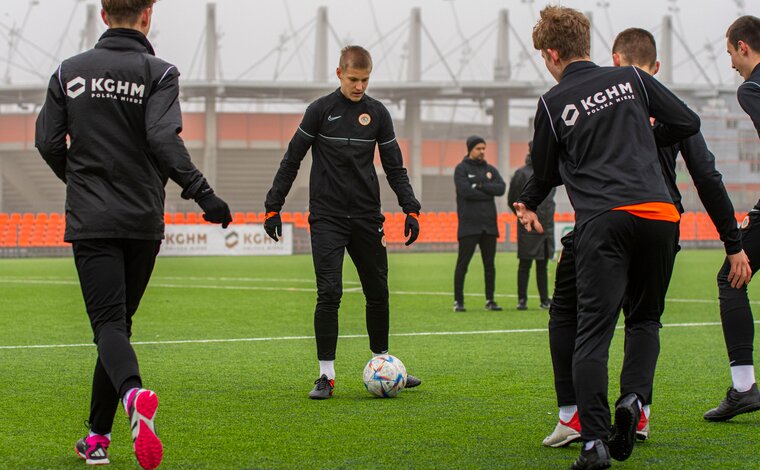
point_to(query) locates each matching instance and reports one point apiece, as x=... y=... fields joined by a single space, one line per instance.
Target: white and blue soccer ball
x=384 y=376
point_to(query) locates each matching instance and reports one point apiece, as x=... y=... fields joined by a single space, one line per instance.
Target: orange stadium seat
x=192 y=218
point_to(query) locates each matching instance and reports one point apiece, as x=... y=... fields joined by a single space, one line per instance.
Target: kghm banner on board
x=236 y=240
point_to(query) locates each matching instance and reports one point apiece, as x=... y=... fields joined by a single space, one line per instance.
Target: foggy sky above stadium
x=463 y=29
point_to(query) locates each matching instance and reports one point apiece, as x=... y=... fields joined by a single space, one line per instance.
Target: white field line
x=350 y=290
x=291 y=338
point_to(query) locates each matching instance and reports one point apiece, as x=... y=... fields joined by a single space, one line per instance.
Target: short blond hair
x=355 y=57
x=564 y=30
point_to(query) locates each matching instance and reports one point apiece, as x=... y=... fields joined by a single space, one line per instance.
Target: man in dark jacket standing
x=477 y=184
x=533 y=245
x=118 y=104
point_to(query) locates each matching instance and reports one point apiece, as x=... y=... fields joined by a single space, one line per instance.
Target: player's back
x=600 y=118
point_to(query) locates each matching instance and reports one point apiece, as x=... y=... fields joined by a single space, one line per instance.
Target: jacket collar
x=755 y=74
x=577 y=66
x=470 y=161
x=125 y=40
x=346 y=100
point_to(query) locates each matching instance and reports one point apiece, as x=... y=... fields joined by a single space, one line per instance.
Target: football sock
x=125 y=399
x=743 y=377
x=566 y=412
x=107 y=436
x=646 y=410
x=374 y=354
x=327 y=368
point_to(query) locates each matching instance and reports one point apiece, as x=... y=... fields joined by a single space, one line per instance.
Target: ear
x=616 y=59
x=145 y=17
x=554 y=55
x=104 y=16
x=338 y=72
x=743 y=48
x=656 y=67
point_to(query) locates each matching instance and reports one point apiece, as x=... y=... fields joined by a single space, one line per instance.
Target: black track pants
x=365 y=241
x=618 y=254
x=467 y=246
x=113 y=274
x=735 y=311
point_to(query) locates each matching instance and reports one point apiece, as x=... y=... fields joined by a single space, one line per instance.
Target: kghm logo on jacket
x=107 y=88
x=595 y=103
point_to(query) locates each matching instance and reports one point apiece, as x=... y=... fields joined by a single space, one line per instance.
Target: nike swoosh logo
x=333 y=118
x=380 y=229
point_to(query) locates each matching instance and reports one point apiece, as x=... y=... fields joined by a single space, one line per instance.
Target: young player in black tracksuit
x=477 y=184
x=118 y=104
x=533 y=245
x=743 y=396
x=631 y=47
x=343 y=129
x=592 y=132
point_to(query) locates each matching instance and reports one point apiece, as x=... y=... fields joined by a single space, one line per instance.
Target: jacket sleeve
x=393 y=164
x=515 y=188
x=496 y=185
x=677 y=120
x=533 y=193
x=748 y=96
x=465 y=188
x=163 y=124
x=299 y=144
x=546 y=150
x=51 y=129
x=709 y=183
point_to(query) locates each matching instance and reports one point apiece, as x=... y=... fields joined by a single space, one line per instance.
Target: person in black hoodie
x=533 y=245
x=743 y=396
x=343 y=129
x=592 y=133
x=118 y=104
x=477 y=185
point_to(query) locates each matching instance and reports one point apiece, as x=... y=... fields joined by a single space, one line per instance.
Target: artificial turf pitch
x=227 y=345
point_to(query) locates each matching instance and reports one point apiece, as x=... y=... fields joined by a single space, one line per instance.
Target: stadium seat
x=191 y=218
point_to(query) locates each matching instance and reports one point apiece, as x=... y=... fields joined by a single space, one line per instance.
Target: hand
x=273 y=225
x=527 y=218
x=741 y=272
x=215 y=210
x=411 y=226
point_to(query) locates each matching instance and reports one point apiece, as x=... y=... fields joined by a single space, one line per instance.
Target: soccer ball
x=384 y=376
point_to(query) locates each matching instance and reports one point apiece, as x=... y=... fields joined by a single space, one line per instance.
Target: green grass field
x=228 y=347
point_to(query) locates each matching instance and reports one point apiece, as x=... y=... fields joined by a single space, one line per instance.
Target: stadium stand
x=46 y=230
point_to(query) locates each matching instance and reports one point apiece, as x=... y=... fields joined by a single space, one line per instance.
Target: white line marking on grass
x=357 y=290
x=291 y=338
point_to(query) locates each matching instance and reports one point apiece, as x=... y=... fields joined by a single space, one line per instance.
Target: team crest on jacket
x=365 y=119
x=489 y=175
x=745 y=222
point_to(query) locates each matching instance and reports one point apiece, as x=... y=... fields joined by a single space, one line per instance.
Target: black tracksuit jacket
x=343 y=136
x=477 y=185
x=119 y=106
x=606 y=159
x=700 y=163
x=748 y=95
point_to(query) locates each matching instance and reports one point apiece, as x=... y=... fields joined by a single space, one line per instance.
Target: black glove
x=273 y=225
x=411 y=226
x=215 y=210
